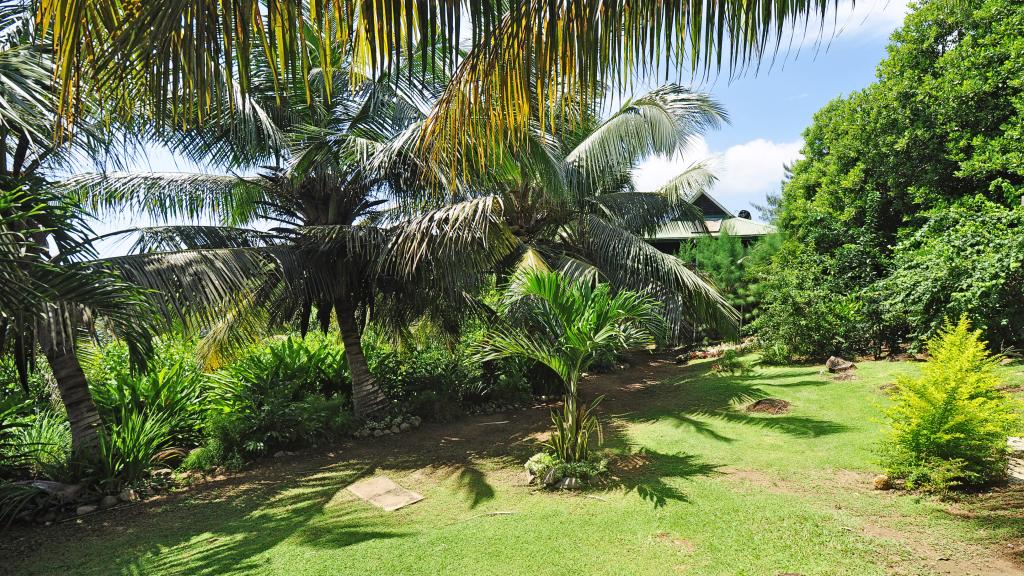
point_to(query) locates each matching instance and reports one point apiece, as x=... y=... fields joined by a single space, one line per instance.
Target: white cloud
x=746 y=172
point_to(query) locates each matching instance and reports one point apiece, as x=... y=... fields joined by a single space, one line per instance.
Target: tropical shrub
x=803 y=315
x=949 y=426
x=733 y=267
x=129 y=448
x=274 y=397
x=175 y=392
x=46 y=443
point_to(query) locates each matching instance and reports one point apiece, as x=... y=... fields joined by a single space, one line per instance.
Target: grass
x=701 y=487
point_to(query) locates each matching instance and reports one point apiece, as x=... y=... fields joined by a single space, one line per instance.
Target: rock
x=882 y=482
x=386 y=432
x=549 y=478
x=395 y=429
x=86 y=509
x=279 y=454
x=377 y=433
x=128 y=495
x=837 y=364
x=108 y=501
x=162 y=473
x=63 y=492
x=1006 y=361
x=569 y=483
x=404 y=426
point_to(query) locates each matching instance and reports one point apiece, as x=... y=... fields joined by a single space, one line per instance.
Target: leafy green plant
x=46 y=443
x=175 y=391
x=564 y=324
x=949 y=426
x=13 y=421
x=130 y=448
x=803 y=316
x=731 y=363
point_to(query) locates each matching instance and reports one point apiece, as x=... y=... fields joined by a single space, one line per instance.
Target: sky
x=768 y=111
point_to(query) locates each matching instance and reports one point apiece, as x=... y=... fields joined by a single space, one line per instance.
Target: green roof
x=733 y=226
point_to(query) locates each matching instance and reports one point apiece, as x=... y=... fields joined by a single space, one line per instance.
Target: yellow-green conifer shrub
x=949 y=426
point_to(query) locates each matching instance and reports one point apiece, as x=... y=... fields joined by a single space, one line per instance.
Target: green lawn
x=702 y=487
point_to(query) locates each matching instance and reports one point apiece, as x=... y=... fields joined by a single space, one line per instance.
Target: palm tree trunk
x=74 y=391
x=367 y=397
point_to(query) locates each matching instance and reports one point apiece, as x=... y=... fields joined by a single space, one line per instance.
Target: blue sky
x=768 y=110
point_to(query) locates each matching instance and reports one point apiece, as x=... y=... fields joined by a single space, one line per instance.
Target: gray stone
x=279 y=454
x=86 y=509
x=386 y=432
x=128 y=495
x=63 y=492
x=395 y=429
x=108 y=501
x=377 y=433
x=569 y=483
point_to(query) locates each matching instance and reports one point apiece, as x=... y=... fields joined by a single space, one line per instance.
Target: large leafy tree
x=943 y=122
x=177 y=56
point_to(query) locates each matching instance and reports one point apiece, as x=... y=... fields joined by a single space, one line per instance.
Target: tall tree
x=49 y=292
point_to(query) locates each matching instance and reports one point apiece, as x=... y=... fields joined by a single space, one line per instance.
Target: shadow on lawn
x=243 y=525
x=693 y=401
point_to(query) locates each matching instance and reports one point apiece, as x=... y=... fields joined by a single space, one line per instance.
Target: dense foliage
x=949 y=426
x=942 y=125
x=734 y=267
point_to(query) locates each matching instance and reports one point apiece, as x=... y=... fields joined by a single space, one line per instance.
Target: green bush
x=273 y=398
x=129 y=448
x=968 y=259
x=540 y=464
x=733 y=267
x=949 y=426
x=46 y=443
x=803 y=316
x=174 y=391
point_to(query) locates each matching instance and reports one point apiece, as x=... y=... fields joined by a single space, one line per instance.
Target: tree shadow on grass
x=244 y=524
x=693 y=401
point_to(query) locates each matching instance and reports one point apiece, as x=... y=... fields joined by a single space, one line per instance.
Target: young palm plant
x=565 y=323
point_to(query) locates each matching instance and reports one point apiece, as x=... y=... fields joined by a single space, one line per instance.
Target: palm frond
x=627 y=261
x=234 y=200
x=661 y=122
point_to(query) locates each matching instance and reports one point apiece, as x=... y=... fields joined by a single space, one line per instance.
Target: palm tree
x=177 y=57
x=565 y=323
x=50 y=294
x=340 y=192
x=569 y=201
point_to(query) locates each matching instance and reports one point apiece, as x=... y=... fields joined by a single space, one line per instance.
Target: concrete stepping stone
x=383 y=493
x=1015 y=468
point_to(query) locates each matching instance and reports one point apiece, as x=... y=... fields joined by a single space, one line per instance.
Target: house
x=716 y=219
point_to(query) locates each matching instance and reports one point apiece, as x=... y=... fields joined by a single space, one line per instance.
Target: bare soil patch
x=769 y=406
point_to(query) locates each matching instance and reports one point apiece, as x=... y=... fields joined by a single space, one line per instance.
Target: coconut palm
x=564 y=323
x=569 y=200
x=338 y=191
x=177 y=57
x=50 y=294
